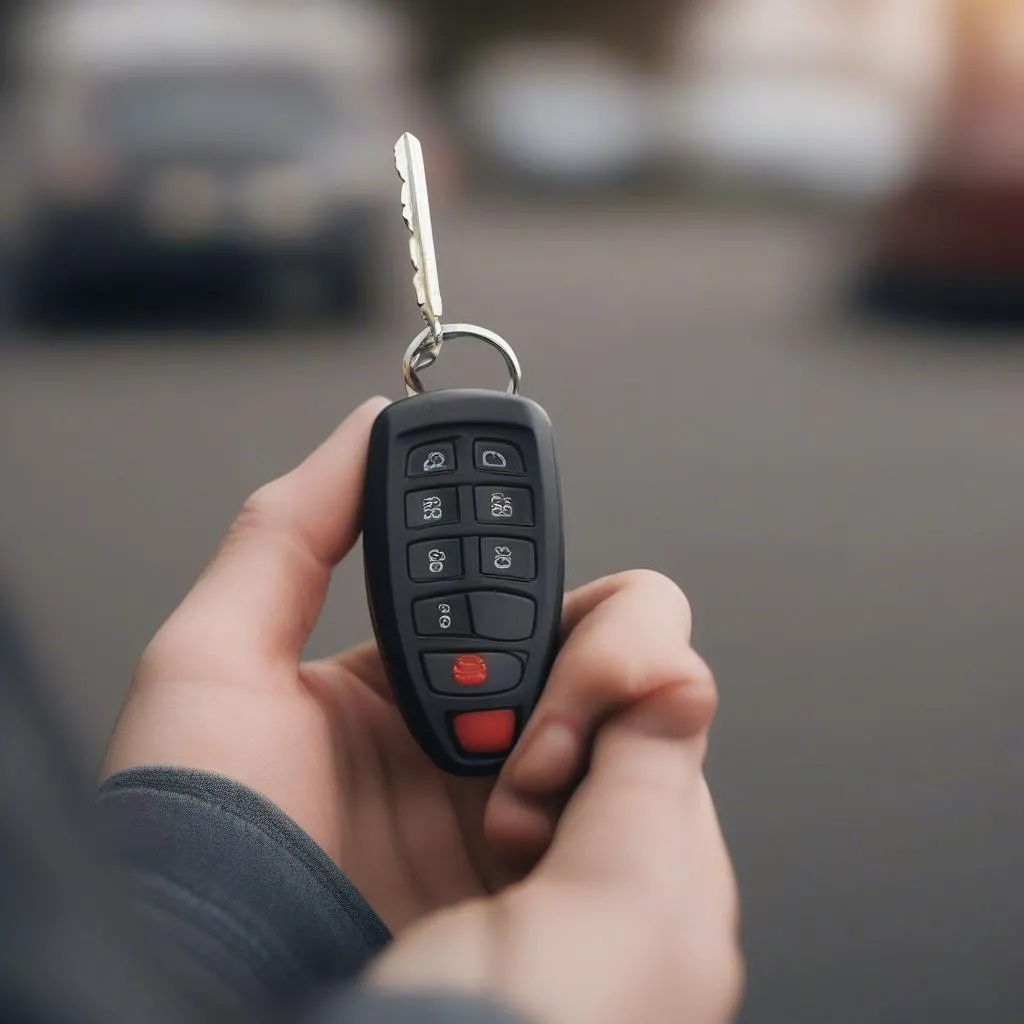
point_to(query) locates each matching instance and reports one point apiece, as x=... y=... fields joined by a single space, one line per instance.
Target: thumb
x=261 y=595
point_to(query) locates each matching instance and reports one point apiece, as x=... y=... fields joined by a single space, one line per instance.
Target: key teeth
x=428 y=295
x=415 y=255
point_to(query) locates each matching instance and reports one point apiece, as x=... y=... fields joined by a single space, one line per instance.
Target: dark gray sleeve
x=247 y=910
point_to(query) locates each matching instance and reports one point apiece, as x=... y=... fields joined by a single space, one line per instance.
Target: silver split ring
x=413 y=362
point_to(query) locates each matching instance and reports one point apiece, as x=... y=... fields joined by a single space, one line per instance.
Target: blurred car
x=951 y=245
x=556 y=115
x=823 y=96
x=207 y=143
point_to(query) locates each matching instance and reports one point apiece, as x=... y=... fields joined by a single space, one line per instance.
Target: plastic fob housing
x=464 y=558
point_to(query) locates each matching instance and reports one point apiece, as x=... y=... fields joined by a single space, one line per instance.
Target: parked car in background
x=951 y=245
x=561 y=115
x=820 y=96
x=206 y=144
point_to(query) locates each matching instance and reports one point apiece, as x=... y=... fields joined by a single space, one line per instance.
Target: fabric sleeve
x=247 y=909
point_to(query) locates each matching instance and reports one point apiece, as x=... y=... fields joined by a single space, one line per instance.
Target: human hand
x=632 y=913
x=222 y=688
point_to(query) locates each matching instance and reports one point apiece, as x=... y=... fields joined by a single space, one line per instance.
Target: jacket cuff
x=245 y=904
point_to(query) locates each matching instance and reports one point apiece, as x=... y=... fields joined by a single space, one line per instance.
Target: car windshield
x=225 y=114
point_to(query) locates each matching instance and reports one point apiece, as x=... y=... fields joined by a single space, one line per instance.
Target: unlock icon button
x=498 y=457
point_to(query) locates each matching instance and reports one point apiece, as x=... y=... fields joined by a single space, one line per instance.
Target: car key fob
x=464 y=558
x=462 y=536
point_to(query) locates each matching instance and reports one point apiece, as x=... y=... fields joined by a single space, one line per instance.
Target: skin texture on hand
x=222 y=688
x=631 y=915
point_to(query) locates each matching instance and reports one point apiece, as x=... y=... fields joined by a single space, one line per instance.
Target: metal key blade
x=416 y=210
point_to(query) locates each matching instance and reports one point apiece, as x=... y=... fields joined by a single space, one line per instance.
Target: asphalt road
x=842 y=503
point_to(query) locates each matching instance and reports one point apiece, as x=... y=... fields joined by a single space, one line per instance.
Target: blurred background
x=763 y=261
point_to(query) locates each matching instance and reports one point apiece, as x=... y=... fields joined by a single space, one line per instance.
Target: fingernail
x=549 y=759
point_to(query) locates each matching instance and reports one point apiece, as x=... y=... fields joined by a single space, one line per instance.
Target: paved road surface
x=843 y=505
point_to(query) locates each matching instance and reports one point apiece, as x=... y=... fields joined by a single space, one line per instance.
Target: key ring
x=422 y=353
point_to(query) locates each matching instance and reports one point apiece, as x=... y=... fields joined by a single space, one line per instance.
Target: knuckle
x=626 y=671
x=260 y=508
x=263 y=513
x=655 y=585
x=691 y=708
x=617 y=675
x=701 y=686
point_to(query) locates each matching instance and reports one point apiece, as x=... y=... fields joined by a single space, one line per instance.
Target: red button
x=485 y=732
x=469 y=670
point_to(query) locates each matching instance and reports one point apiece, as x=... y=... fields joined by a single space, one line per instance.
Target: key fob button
x=470 y=673
x=496 y=504
x=506 y=556
x=439 y=507
x=428 y=459
x=498 y=457
x=442 y=616
x=485 y=732
x=435 y=560
x=502 y=616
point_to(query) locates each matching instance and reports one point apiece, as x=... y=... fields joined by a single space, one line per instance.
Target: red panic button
x=485 y=732
x=469 y=670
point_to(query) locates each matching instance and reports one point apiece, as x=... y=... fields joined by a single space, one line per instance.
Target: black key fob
x=464 y=558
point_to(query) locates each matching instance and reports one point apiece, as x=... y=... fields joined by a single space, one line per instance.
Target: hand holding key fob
x=463 y=543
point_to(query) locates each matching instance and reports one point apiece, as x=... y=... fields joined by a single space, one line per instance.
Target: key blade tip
x=416 y=213
x=405 y=149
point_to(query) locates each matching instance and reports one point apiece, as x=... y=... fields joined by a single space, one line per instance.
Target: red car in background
x=952 y=245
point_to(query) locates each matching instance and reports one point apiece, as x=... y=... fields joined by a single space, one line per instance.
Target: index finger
x=626 y=820
x=641 y=836
x=643 y=819
x=630 y=637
